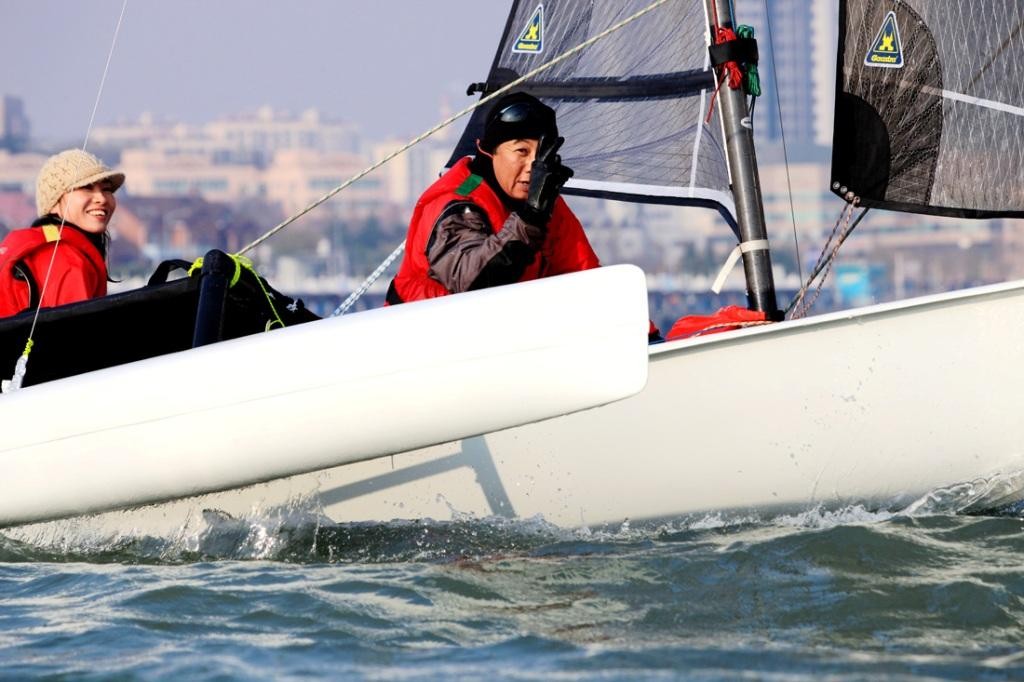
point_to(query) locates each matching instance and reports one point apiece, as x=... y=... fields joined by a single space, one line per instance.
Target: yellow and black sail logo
x=887 y=48
x=531 y=38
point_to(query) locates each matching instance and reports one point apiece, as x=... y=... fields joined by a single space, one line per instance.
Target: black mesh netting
x=938 y=126
x=631 y=107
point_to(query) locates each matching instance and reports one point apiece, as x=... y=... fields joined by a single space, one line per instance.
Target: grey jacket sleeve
x=464 y=253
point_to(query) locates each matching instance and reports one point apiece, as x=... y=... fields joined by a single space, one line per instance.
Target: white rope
x=355 y=295
x=103 y=80
x=448 y=121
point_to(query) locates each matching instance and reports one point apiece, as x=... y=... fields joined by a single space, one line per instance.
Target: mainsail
x=930 y=106
x=632 y=106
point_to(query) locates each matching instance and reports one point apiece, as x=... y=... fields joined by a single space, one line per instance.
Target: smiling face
x=89 y=207
x=512 y=161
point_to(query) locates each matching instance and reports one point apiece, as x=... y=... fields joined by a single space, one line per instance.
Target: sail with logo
x=633 y=107
x=930 y=106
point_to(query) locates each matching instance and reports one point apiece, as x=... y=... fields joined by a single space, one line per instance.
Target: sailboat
x=881 y=406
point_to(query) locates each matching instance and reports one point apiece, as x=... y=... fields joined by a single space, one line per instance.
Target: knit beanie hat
x=517 y=116
x=70 y=170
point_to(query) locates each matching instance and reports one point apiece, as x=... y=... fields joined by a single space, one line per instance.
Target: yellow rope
x=247 y=264
x=239 y=262
x=243 y=262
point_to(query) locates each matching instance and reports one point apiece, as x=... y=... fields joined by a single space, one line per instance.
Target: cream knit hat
x=70 y=170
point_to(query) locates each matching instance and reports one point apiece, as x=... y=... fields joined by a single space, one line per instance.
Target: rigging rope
x=741 y=70
x=752 y=81
x=730 y=70
x=448 y=121
x=21 y=366
x=825 y=260
x=355 y=295
x=782 y=134
x=103 y=80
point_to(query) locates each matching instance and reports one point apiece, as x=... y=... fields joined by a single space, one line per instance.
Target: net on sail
x=930 y=106
x=631 y=107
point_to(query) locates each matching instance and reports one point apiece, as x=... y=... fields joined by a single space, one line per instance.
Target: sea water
x=848 y=594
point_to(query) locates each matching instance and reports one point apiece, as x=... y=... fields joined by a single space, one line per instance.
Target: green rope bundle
x=752 y=80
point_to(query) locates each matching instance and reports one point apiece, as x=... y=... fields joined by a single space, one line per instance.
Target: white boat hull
x=322 y=394
x=877 y=406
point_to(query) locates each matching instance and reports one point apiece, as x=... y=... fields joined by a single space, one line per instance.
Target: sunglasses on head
x=516 y=113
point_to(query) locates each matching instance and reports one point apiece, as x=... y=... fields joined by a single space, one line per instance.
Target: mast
x=746 y=184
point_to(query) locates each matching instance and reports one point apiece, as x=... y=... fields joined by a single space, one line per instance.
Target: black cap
x=517 y=116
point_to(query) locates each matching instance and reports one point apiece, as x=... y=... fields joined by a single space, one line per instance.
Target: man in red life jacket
x=61 y=257
x=496 y=218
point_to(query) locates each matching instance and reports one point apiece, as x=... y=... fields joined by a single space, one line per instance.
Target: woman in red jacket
x=61 y=257
x=496 y=218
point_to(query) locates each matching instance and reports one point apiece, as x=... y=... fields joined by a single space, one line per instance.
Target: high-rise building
x=14 y=125
x=797 y=66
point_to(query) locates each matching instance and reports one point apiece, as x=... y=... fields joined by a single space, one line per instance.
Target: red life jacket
x=78 y=271
x=565 y=249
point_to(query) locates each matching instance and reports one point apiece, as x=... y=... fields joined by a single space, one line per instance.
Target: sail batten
x=631 y=107
x=977 y=101
x=601 y=188
x=678 y=84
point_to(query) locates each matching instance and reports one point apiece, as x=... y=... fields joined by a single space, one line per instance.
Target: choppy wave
x=298 y=532
x=836 y=593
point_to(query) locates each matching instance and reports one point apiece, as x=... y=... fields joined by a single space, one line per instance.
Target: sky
x=385 y=65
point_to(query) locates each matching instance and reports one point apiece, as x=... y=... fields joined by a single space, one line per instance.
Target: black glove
x=547 y=175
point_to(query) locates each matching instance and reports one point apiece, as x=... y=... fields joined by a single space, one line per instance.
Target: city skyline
x=377 y=65
x=384 y=67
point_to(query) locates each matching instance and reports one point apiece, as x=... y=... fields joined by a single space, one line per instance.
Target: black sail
x=631 y=107
x=930 y=106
